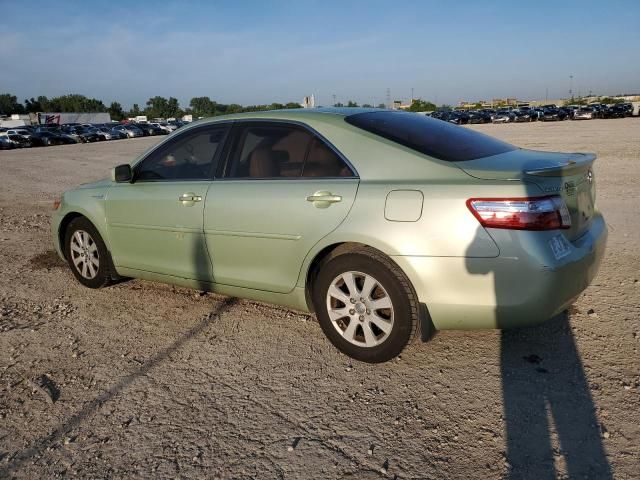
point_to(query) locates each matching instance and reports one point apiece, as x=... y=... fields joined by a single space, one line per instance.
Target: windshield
x=435 y=138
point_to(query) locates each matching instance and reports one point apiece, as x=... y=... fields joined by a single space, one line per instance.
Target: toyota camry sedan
x=388 y=225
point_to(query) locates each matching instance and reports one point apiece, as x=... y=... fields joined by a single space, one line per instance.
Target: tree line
x=155 y=107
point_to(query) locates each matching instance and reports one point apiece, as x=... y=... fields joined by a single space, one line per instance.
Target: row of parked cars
x=546 y=113
x=52 y=134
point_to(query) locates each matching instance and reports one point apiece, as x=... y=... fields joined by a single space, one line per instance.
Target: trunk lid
x=569 y=175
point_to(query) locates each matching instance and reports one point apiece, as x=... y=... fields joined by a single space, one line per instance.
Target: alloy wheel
x=84 y=254
x=360 y=309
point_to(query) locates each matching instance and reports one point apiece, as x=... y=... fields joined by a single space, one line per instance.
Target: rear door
x=156 y=223
x=283 y=188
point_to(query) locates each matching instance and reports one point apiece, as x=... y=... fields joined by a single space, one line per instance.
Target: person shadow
x=552 y=430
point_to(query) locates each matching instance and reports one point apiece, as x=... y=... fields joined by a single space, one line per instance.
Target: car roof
x=300 y=114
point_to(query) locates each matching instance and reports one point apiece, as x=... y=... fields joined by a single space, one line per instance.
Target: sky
x=256 y=52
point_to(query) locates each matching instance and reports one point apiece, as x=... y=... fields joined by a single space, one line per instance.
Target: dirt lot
x=149 y=380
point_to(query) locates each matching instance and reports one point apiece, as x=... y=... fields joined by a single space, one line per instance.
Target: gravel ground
x=148 y=380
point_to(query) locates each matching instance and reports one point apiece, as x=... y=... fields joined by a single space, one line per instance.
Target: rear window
x=436 y=138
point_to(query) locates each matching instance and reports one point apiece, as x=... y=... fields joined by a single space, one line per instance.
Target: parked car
x=537 y=113
x=19 y=131
x=615 y=111
x=521 y=116
x=45 y=138
x=478 y=116
x=584 y=113
x=503 y=116
x=82 y=134
x=117 y=134
x=169 y=127
x=628 y=109
x=129 y=130
x=566 y=113
x=20 y=141
x=551 y=114
x=459 y=230
x=149 y=129
x=6 y=143
x=458 y=117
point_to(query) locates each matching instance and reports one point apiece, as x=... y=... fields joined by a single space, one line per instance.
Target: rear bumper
x=525 y=285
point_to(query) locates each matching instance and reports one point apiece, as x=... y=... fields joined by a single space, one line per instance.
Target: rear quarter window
x=436 y=138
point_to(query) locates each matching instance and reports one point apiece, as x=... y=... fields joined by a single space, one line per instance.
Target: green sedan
x=388 y=225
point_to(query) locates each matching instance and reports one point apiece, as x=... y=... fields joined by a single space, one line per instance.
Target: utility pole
x=388 y=97
x=334 y=99
x=570 y=86
x=411 y=95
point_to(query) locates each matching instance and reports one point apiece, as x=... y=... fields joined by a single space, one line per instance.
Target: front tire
x=87 y=254
x=365 y=304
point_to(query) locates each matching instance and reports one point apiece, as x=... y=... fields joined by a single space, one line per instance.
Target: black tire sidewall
x=104 y=272
x=403 y=327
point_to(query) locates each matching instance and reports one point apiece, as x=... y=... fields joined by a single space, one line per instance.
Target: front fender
x=87 y=202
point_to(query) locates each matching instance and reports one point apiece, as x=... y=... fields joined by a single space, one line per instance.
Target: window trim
x=240 y=124
x=172 y=139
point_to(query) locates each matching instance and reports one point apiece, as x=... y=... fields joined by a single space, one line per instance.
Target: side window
x=189 y=156
x=324 y=162
x=265 y=151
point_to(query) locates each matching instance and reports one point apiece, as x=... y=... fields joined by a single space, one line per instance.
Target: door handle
x=189 y=197
x=323 y=199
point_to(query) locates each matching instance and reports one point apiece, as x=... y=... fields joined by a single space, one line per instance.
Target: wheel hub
x=360 y=309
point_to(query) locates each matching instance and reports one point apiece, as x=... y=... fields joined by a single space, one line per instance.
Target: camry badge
x=570 y=188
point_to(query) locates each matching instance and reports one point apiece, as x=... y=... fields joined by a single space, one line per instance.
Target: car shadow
x=544 y=386
x=41 y=445
x=550 y=417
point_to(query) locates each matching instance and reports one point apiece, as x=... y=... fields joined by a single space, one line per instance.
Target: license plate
x=560 y=246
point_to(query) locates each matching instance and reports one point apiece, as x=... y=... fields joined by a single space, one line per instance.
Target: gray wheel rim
x=84 y=254
x=360 y=309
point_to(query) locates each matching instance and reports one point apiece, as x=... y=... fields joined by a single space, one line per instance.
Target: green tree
x=352 y=104
x=157 y=107
x=419 y=105
x=235 y=108
x=45 y=103
x=382 y=105
x=9 y=104
x=610 y=100
x=203 y=106
x=160 y=107
x=73 y=103
x=135 y=111
x=32 y=105
x=115 y=111
x=173 y=108
x=366 y=105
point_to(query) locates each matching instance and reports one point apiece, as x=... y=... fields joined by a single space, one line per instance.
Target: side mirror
x=122 y=174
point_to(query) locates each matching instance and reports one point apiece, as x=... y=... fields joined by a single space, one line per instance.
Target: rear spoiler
x=576 y=163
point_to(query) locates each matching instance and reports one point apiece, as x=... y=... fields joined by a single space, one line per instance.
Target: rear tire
x=365 y=304
x=87 y=254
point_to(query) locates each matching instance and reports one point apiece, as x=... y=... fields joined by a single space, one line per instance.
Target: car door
x=155 y=223
x=282 y=189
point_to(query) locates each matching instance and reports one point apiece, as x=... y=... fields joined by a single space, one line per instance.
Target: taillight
x=532 y=213
x=56 y=203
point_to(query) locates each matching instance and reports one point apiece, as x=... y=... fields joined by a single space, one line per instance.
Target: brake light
x=532 y=213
